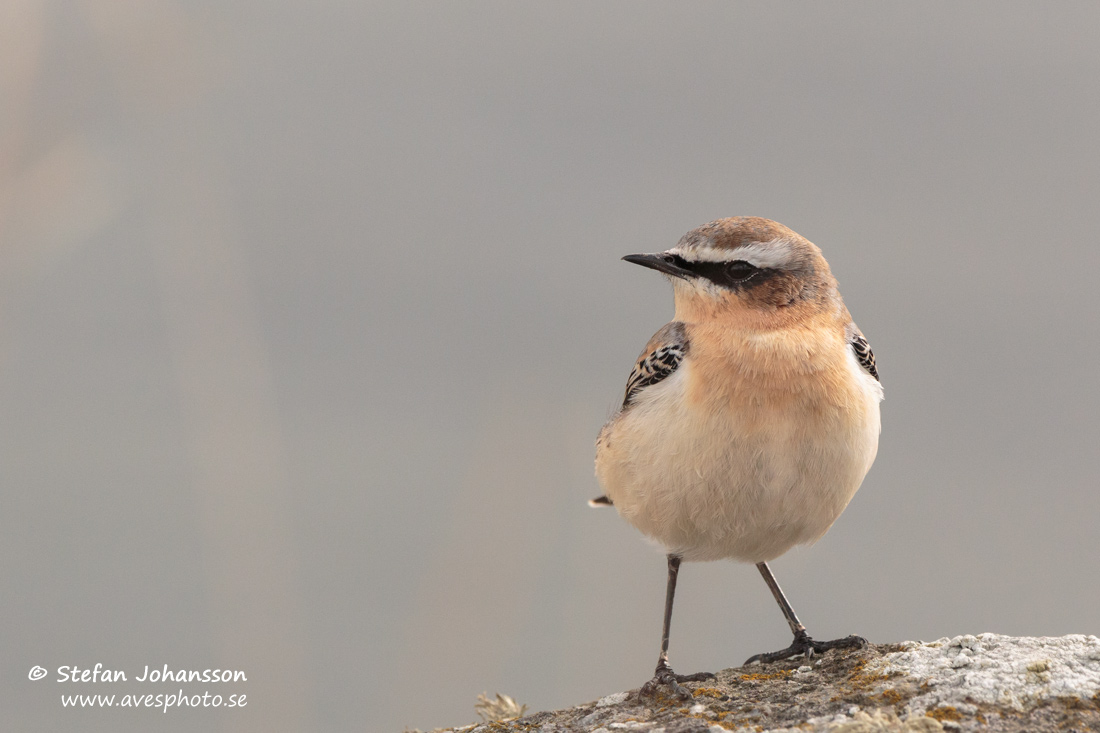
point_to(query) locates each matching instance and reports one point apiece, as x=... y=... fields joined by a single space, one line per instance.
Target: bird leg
x=802 y=643
x=664 y=674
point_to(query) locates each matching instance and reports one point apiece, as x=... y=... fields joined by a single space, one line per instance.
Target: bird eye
x=741 y=270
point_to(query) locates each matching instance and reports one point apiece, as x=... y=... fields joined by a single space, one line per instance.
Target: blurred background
x=310 y=314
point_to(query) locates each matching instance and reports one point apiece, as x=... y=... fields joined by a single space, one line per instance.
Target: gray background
x=310 y=314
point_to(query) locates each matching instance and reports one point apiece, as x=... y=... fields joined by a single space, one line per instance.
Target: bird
x=749 y=421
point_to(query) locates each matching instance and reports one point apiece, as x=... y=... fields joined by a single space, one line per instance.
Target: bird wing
x=660 y=358
x=863 y=351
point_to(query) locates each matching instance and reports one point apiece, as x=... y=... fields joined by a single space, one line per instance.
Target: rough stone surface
x=969 y=683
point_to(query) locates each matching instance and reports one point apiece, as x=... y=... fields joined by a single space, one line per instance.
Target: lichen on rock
x=986 y=682
x=1013 y=674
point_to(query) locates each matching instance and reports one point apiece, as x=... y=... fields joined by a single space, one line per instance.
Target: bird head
x=743 y=266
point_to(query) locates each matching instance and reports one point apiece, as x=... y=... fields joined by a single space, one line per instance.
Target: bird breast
x=755 y=444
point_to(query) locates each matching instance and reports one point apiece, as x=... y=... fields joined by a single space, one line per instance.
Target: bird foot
x=803 y=644
x=665 y=677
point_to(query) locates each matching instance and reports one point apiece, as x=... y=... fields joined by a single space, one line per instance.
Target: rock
x=987 y=682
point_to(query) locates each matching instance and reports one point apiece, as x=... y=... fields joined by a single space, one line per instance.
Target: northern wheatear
x=750 y=420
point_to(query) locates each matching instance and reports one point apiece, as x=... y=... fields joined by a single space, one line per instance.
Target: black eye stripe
x=733 y=275
x=681 y=262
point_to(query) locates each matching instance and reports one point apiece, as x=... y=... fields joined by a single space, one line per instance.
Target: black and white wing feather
x=864 y=354
x=660 y=358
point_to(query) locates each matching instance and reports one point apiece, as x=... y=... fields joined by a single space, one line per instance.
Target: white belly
x=710 y=482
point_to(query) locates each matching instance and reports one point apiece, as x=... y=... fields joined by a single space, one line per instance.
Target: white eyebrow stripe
x=776 y=253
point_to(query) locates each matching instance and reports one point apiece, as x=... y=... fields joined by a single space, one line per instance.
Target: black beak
x=661 y=263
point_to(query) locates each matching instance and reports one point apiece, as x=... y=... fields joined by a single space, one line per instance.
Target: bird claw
x=665 y=677
x=806 y=646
